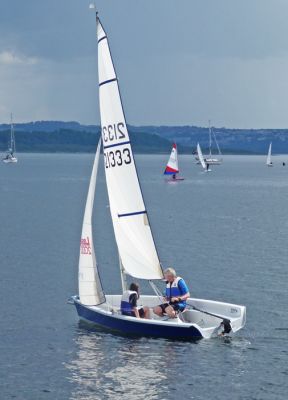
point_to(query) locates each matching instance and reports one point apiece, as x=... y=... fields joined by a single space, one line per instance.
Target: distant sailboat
x=10 y=154
x=210 y=159
x=269 y=162
x=203 y=162
x=172 y=167
x=132 y=231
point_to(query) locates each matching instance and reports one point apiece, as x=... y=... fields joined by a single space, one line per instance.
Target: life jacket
x=126 y=306
x=172 y=290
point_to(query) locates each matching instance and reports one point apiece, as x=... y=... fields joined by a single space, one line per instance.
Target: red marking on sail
x=170 y=170
x=85 y=246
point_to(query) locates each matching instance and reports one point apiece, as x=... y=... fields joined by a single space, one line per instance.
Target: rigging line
x=218 y=148
x=157 y=291
x=210 y=140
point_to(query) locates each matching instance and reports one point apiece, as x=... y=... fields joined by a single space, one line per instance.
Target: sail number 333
x=118 y=157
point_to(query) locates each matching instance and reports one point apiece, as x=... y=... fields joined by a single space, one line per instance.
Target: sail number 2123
x=118 y=157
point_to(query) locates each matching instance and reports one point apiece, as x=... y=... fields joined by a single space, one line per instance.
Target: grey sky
x=178 y=61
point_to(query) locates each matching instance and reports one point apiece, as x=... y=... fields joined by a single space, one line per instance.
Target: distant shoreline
x=72 y=137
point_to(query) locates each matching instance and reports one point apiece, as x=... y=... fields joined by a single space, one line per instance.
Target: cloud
x=8 y=57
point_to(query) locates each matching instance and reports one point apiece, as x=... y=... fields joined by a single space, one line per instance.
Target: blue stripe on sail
x=102 y=38
x=108 y=81
x=170 y=173
x=116 y=144
x=131 y=214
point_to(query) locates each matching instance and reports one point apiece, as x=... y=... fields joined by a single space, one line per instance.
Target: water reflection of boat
x=94 y=374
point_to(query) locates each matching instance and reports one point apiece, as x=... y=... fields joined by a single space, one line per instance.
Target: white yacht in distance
x=210 y=159
x=10 y=153
x=269 y=162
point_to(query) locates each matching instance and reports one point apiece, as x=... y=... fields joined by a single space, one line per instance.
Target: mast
x=123 y=276
x=210 y=140
x=12 y=138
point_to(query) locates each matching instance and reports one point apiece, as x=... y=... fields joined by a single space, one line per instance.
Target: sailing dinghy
x=269 y=162
x=10 y=153
x=203 y=162
x=136 y=246
x=172 y=167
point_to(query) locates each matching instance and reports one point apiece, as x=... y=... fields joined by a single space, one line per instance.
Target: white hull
x=108 y=315
x=213 y=161
x=10 y=160
x=210 y=161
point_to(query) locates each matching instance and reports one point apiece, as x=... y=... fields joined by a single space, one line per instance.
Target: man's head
x=170 y=274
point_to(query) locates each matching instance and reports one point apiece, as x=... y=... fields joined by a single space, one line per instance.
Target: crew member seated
x=129 y=303
x=176 y=295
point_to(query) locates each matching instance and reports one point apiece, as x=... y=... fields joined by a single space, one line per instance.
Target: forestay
x=200 y=155
x=129 y=216
x=172 y=165
x=90 y=289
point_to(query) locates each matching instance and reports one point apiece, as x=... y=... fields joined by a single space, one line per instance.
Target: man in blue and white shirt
x=176 y=294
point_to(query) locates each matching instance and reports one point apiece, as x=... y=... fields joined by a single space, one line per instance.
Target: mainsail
x=200 y=155
x=172 y=165
x=132 y=231
x=269 y=161
x=90 y=288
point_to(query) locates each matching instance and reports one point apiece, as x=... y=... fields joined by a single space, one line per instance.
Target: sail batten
x=90 y=288
x=133 y=235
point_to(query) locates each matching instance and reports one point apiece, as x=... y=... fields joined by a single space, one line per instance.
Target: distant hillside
x=50 y=126
x=77 y=141
x=58 y=136
x=254 y=141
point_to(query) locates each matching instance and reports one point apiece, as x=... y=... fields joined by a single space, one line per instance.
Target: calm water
x=226 y=233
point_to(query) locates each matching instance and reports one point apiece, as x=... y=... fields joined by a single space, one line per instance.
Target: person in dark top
x=129 y=303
